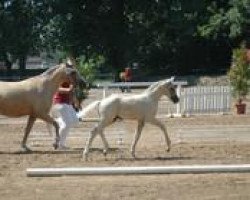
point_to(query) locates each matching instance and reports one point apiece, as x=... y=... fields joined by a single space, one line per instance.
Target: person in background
x=126 y=76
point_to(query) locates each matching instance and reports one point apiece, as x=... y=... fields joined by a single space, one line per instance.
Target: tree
x=228 y=19
x=22 y=23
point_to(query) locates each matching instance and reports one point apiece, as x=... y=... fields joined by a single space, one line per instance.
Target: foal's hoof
x=25 y=149
x=133 y=155
x=55 y=145
x=105 y=152
x=85 y=157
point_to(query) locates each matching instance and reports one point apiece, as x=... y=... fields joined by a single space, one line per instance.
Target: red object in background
x=128 y=74
x=241 y=108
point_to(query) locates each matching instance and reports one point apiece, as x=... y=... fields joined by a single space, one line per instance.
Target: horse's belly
x=137 y=111
x=14 y=109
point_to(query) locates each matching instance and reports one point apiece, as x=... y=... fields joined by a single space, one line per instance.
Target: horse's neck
x=155 y=93
x=53 y=82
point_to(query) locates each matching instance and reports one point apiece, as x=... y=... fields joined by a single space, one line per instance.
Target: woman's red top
x=62 y=97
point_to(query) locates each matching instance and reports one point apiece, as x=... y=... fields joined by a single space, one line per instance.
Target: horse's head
x=68 y=73
x=170 y=90
x=78 y=79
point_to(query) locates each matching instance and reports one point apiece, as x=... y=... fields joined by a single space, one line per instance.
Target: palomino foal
x=141 y=107
x=33 y=97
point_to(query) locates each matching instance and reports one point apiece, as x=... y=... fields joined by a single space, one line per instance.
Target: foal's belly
x=136 y=112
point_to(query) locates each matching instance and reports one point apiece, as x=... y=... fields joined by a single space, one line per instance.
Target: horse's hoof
x=25 y=149
x=85 y=157
x=55 y=145
x=133 y=155
x=105 y=152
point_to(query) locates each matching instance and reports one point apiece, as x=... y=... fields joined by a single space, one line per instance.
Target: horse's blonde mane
x=50 y=70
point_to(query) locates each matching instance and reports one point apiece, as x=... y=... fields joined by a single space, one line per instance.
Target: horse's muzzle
x=175 y=99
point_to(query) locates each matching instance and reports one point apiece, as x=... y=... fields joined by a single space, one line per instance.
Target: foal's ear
x=172 y=79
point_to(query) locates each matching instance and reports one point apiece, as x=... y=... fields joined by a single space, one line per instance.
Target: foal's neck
x=155 y=93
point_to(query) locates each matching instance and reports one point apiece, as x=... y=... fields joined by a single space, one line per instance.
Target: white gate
x=206 y=100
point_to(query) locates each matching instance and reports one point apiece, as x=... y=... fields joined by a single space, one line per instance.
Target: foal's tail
x=87 y=109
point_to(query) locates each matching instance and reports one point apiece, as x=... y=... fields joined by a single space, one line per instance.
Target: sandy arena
x=195 y=140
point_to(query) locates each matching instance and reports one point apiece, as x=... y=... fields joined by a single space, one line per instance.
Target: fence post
x=105 y=88
x=178 y=107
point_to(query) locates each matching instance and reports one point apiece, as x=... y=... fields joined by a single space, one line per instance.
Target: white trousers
x=66 y=117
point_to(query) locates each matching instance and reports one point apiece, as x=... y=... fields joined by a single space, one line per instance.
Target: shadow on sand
x=94 y=151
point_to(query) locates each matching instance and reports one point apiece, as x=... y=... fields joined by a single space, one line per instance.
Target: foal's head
x=170 y=90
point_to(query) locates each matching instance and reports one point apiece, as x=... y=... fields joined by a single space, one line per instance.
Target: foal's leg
x=50 y=120
x=92 y=135
x=28 y=128
x=98 y=129
x=105 y=142
x=137 y=136
x=159 y=124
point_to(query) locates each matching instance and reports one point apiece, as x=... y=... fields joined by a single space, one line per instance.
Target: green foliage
x=88 y=66
x=227 y=19
x=155 y=34
x=239 y=73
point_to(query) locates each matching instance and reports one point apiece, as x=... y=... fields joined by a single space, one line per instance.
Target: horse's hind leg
x=136 y=137
x=30 y=123
x=164 y=129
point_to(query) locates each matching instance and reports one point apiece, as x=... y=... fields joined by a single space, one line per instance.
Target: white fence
x=206 y=100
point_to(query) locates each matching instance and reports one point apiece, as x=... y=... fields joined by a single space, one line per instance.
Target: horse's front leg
x=137 y=136
x=92 y=135
x=50 y=120
x=30 y=123
x=105 y=143
x=159 y=124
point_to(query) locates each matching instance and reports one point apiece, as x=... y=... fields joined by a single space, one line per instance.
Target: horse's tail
x=87 y=109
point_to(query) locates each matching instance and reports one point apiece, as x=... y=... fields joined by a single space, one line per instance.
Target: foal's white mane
x=159 y=83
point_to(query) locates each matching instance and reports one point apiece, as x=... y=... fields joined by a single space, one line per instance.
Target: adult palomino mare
x=33 y=97
x=141 y=107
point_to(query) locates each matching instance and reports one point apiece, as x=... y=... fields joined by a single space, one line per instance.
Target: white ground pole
x=184 y=169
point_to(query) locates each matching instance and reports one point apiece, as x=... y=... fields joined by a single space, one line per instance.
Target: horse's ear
x=70 y=71
x=172 y=79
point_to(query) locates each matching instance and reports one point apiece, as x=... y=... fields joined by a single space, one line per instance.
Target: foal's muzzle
x=175 y=99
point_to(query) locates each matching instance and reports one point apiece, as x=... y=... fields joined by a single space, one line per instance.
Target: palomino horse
x=33 y=97
x=141 y=107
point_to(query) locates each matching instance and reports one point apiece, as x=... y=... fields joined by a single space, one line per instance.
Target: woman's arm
x=67 y=90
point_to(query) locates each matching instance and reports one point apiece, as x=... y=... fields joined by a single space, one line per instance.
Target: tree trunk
x=118 y=47
x=22 y=66
x=8 y=64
